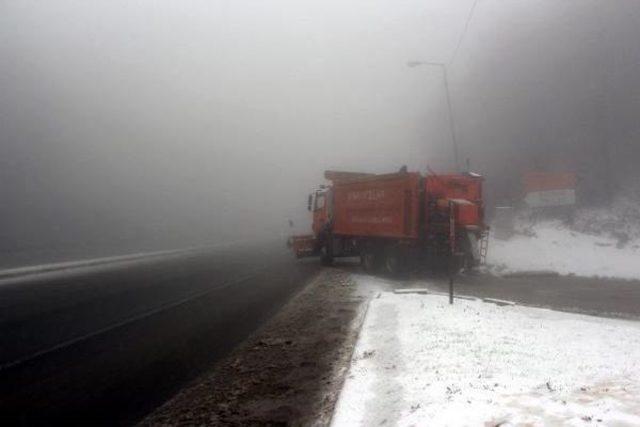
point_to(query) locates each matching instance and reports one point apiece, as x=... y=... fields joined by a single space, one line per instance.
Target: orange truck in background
x=392 y=221
x=549 y=189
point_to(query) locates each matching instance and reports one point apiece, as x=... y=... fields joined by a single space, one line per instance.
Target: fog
x=145 y=125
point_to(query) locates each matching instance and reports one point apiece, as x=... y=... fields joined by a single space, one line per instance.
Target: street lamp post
x=452 y=128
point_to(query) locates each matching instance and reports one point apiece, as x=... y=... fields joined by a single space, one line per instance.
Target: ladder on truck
x=484 y=247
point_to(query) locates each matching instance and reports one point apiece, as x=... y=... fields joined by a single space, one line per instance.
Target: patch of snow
x=552 y=246
x=420 y=361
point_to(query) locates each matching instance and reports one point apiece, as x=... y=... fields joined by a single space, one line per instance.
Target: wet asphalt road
x=106 y=345
x=594 y=296
x=587 y=295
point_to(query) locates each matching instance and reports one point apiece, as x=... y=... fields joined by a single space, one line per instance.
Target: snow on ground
x=552 y=246
x=420 y=361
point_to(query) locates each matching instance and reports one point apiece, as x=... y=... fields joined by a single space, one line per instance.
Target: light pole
x=443 y=67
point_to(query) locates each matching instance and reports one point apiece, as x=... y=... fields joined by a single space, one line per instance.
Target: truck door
x=321 y=210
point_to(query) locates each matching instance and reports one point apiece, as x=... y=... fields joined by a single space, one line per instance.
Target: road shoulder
x=289 y=372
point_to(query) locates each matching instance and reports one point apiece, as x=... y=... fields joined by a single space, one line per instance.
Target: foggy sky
x=158 y=124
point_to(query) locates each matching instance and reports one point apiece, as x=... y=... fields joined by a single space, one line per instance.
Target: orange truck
x=394 y=221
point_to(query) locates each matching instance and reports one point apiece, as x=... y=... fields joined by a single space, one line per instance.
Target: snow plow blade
x=303 y=246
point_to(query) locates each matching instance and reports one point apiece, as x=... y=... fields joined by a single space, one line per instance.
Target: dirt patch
x=288 y=373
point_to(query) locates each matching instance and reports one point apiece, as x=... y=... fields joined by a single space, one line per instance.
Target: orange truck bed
x=378 y=206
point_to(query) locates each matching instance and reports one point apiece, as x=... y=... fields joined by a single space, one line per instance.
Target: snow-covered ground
x=420 y=361
x=552 y=246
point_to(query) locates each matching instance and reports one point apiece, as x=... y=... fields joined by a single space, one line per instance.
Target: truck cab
x=320 y=203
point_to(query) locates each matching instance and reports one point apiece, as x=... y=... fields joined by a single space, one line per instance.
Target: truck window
x=320 y=201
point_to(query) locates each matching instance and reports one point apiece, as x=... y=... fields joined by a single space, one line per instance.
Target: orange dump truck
x=391 y=221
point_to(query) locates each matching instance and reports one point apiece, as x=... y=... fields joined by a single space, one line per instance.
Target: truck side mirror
x=310 y=202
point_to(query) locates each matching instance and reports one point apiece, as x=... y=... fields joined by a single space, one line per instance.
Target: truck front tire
x=326 y=250
x=325 y=257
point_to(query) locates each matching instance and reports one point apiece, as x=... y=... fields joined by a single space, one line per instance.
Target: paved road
x=600 y=297
x=107 y=344
x=595 y=296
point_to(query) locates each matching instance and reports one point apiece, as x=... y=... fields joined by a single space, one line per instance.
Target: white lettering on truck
x=365 y=195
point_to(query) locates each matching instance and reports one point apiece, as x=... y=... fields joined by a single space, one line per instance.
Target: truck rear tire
x=394 y=262
x=370 y=259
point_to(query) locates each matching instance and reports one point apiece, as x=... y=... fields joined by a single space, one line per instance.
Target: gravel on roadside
x=290 y=372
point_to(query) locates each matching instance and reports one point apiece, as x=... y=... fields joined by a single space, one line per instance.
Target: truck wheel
x=369 y=261
x=326 y=258
x=393 y=262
